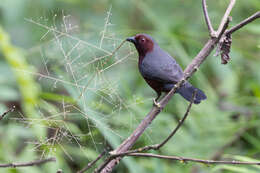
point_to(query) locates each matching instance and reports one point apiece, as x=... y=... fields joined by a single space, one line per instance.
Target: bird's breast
x=157 y=86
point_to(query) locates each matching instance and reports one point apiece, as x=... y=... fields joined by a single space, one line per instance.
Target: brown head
x=143 y=43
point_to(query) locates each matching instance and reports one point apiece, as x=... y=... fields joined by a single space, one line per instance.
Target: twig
x=180 y=122
x=90 y=164
x=25 y=164
x=116 y=49
x=243 y=23
x=226 y=16
x=185 y=159
x=225 y=26
x=6 y=112
x=212 y=32
x=105 y=163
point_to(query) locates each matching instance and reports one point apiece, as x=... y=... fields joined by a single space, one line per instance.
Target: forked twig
x=226 y=16
x=243 y=23
x=212 y=32
x=180 y=122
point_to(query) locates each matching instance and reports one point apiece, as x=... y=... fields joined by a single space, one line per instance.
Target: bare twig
x=105 y=163
x=185 y=159
x=116 y=49
x=180 y=122
x=6 y=112
x=26 y=164
x=225 y=26
x=225 y=42
x=212 y=32
x=90 y=164
x=226 y=16
x=243 y=23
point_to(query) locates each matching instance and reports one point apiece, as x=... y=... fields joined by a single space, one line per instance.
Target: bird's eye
x=142 y=40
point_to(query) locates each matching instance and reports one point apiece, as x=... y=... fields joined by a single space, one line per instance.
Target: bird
x=160 y=70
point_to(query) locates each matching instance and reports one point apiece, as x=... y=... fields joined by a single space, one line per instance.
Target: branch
x=179 y=124
x=6 y=112
x=212 y=32
x=225 y=42
x=32 y=163
x=185 y=159
x=243 y=23
x=225 y=17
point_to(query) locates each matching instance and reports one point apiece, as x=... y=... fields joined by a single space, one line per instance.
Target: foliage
x=85 y=100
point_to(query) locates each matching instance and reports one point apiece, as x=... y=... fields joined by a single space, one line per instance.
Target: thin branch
x=26 y=164
x=225 y=17
x=6 y=112
x=90 y=164
x=243 y=23
x=185 y=159
x=224 y=27
x=212 y=32
x=116 y=49
x=105 y=163
x=180 y=122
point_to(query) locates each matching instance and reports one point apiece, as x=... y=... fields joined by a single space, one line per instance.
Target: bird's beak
x=131 y=39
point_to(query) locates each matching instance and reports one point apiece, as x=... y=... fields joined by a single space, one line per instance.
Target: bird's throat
x=140 y=60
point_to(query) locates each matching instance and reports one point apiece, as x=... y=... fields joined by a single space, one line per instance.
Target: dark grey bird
x=160 y=70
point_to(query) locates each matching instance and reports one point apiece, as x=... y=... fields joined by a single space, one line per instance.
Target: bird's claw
x=157 y=104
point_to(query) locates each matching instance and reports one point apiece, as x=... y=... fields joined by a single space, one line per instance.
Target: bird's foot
x=157 y=104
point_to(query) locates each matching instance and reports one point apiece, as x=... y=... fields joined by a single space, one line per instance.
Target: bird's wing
x=160 y=66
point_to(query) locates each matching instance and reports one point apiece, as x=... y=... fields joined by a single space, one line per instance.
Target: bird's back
x=159 y=65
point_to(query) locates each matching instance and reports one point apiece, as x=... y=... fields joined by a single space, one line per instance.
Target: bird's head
x=143 y=43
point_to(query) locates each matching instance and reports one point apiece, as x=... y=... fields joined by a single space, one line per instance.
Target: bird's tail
x=187 y=90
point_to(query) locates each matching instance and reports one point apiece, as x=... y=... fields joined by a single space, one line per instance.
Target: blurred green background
x=73 y=99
